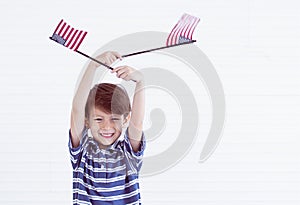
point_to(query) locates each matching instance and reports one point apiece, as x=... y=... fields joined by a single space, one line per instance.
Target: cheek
x=93 y=124
x=94 y=128
x=118 y=125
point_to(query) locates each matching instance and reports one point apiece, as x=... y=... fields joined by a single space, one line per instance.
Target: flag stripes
x=68 y=36
x=183 y=30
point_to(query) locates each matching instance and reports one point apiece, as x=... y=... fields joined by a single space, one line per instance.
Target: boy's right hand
x=107 y=58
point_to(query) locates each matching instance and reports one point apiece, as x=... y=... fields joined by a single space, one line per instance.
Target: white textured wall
x=255 y=48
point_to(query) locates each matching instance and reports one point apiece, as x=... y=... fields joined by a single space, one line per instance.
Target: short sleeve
x=135 y=158
x=75 y=153
x=129 y=147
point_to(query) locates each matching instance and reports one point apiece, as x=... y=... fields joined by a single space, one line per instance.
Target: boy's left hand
x=128 y=73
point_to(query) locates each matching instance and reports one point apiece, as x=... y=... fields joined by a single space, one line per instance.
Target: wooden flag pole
x=135 y=53
x=85 y=55
x=155 y=49
x=131 y=54
x=61 y=40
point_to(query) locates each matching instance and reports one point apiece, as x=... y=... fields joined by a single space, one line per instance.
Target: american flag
x=183 y=30
x=67 y=36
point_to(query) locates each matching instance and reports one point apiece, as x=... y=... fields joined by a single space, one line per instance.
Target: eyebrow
x=113 y=115
x=98 y=116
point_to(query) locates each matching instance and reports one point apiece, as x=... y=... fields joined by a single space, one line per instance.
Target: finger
x=107 y=57
x=103 y=58
x=121 y=72
x=116 y=54
x=123 y=75
x=127 y=78
x=112 y=56
x=118 y=68
x=111 y=59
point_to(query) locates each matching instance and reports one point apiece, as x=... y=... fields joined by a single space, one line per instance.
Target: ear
x=86 y=123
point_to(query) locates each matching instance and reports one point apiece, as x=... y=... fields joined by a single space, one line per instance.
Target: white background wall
x=255 y=48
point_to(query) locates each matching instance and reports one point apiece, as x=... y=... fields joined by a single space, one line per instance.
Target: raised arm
x=81 y=95
x=135 y=128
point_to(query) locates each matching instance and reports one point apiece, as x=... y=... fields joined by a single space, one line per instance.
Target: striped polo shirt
x=106 y=176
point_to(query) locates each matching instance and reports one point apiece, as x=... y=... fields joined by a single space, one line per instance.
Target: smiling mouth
x=107 y=135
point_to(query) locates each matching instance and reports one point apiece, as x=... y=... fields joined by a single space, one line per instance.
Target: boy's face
x=105 y=127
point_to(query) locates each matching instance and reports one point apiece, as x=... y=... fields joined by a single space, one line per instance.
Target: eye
x=98 y=119
x=115 y=119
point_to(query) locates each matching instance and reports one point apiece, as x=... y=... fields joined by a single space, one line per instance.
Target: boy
x=106 y=167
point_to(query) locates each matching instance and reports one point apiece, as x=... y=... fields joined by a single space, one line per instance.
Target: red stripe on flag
x=68 y=36
x=80 y=41
x=61 y=29
x=74 y=34
x=76 y=39
x=177 y=27
x=173 y=32
x=190 y=34
x=183 y=22
x=184 y=27
x=72 y=29
x=66 y=30
x=170 y=42
x=188 y=27
x=58 y=26
x=187 y=32
x=171 y=35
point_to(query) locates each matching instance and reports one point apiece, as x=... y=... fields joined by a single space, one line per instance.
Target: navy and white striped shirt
x=106 y=176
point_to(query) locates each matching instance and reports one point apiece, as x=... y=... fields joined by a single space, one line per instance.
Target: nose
x=107 y=124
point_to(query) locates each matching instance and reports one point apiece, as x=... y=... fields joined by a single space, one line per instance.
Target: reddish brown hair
x=108 y=97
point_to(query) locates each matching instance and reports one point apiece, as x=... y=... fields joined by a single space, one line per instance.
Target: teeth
x=107 y=135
